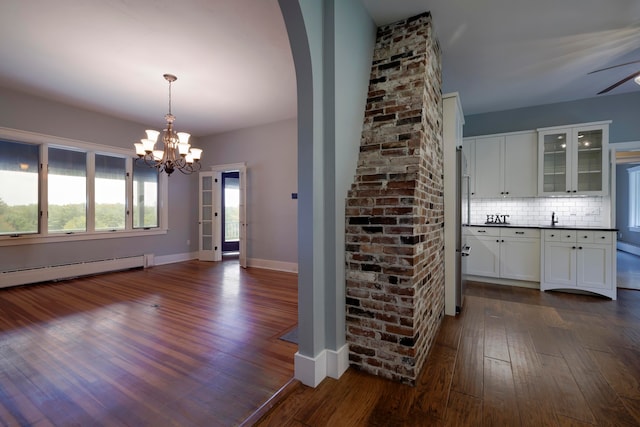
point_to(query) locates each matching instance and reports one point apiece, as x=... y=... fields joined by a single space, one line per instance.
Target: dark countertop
x=544 y=227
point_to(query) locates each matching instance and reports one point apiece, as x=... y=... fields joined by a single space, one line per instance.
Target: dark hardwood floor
x=188 y=344
x=515 y=357
x=196 y=344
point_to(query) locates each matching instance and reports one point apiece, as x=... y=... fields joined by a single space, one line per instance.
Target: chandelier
x=177 y=153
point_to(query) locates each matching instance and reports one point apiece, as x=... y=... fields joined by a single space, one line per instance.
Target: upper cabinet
x=573 y=160
x=503 y=165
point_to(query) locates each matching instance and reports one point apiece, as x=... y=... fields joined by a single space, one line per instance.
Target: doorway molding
x=614 y=148
x=218 y=170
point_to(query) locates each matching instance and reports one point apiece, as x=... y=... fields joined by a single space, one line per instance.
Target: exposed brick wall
x=395 y=208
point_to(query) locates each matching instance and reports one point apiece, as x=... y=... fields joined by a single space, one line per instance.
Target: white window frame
x=634 y=199
x=45 y=141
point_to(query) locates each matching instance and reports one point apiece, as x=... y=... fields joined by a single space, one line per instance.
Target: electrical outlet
x=188 y=242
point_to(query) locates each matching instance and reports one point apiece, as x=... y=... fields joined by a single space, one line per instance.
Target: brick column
x=395 y=208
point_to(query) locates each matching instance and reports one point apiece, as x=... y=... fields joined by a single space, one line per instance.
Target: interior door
x=217 y=172
x=243 y=217
x=207 y=246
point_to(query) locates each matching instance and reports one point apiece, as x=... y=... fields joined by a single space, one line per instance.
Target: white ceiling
x=234 y=64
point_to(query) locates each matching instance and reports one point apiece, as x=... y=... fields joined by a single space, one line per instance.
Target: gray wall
x=34 y=114
x=270 y=153
x=354 y=41
x=622 y=206
x=332 y=70
x=622 y=109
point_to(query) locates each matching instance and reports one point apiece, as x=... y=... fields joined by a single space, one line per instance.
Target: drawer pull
x=585 y=237
x=482 y=231
x=568 y=236
x=602 y=237
x=519 y=232
x=553 y=235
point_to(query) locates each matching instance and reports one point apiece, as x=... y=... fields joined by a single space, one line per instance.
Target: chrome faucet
x=554 y=220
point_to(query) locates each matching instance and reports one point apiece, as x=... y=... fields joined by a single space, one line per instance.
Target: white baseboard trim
x=632 y=249
x=170 y=259
x=290 y=267
x=338 y=361
x=329 y=363
x=310 y=371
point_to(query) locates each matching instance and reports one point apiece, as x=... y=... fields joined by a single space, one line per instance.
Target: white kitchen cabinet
x=573 y=160
x=504 y=165
x=579 y=260
x=521 y=164
x=520 y=254
x=484 y=256
x=504 y=253
x=488 y=170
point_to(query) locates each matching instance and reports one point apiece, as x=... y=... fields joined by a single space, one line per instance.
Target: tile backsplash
x=570 y=211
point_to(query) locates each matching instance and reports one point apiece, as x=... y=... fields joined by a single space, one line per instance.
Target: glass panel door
x=589 y=147
x=555 y=161
x=206 y=244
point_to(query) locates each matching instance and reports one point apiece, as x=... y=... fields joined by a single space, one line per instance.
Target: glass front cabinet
x=573 y=160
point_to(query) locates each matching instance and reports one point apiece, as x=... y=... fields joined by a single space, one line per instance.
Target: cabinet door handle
x=580 y=247
x=506 y=192
x=503 y=241
x=498 y=240
x=573 y=247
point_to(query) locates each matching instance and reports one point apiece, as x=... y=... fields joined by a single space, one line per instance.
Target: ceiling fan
x=619 y=82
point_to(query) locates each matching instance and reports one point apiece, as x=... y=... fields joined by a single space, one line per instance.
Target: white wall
x=270 y=153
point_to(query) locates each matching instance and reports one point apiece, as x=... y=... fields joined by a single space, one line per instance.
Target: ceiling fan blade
x=613 y=66
x=615 y=85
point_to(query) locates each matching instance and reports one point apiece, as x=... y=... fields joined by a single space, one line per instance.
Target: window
x=67 y=191
x=145 y=196
x=18 y=188
x=53 y=189
x=110 y=193
x=634 y=198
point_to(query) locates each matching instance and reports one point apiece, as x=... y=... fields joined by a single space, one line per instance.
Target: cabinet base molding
x=609 y=293
x=505 y=282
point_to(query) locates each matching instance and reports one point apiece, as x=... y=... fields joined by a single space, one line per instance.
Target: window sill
x=634 y=229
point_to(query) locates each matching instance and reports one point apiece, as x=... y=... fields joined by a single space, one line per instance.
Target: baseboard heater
x=66 y=271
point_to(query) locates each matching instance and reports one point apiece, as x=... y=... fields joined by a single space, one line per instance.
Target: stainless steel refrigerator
x=463 y=215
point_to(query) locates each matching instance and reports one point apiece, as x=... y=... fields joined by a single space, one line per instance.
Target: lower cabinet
x=504 y=253
x=579 y=260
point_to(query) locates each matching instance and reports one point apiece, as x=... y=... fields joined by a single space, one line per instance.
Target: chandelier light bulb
x=196 y=153
x=152 y=135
